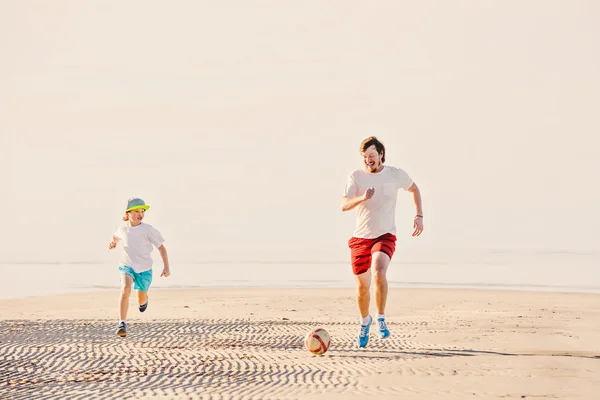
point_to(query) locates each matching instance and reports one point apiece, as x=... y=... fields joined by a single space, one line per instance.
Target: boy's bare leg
x=126 y=284
x=142 y=297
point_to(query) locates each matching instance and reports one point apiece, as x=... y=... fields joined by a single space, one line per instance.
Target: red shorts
x=361 y=250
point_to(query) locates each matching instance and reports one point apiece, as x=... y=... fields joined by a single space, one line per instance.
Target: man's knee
x=363 y=291
x=380 y=266
x=379 y=270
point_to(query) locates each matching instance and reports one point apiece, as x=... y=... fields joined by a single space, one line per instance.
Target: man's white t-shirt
x=377 y=216
x=137 y=245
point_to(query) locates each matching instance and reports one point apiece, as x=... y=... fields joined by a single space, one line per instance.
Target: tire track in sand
x=197 y=358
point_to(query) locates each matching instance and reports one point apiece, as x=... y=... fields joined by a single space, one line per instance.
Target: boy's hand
x=112 y=245
x=166 y=272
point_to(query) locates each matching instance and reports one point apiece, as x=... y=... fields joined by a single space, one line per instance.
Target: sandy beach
x=248 y=344
x=240 y=123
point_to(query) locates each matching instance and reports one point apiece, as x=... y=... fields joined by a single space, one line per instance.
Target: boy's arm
x=114 y=242
x=163 y=253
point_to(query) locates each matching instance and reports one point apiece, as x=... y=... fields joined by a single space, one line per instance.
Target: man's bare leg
x=380 y=266
x=363 y=282
x=363 y=294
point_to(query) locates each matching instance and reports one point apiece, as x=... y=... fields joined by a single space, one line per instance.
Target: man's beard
x=374 y=167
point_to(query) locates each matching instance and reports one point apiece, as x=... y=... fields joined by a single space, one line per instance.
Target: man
x=373 y=191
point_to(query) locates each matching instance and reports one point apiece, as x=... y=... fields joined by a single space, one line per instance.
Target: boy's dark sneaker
x=122 y=329
x=143 y=306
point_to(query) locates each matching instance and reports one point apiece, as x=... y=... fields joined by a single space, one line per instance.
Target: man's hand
x=348 y=203
x=418 y=225
x=166 y=272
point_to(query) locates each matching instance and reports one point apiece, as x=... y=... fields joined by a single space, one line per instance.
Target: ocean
x=498 y=270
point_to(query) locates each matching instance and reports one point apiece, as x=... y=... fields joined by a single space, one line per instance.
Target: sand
x=247 y=344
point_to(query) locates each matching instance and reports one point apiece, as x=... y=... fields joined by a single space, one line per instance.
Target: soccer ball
x=317 y=341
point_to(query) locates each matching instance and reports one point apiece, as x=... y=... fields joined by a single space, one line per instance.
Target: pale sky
x=239 y=121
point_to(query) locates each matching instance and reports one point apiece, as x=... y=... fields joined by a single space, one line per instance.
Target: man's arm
x=348 y=203
x=416 y=195
x=418 y=222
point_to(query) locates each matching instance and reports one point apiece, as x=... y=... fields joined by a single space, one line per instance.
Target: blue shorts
x=141 y=280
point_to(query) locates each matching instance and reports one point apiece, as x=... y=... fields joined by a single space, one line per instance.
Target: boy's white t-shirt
x=376 y=216
x=137 y=245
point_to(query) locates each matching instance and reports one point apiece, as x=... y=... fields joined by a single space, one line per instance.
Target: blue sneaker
x=363 y=334
x=382 y=329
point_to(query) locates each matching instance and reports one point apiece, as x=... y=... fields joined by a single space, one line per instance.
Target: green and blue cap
x=136 y=203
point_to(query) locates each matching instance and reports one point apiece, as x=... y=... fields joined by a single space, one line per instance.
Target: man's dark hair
x=373 y=141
